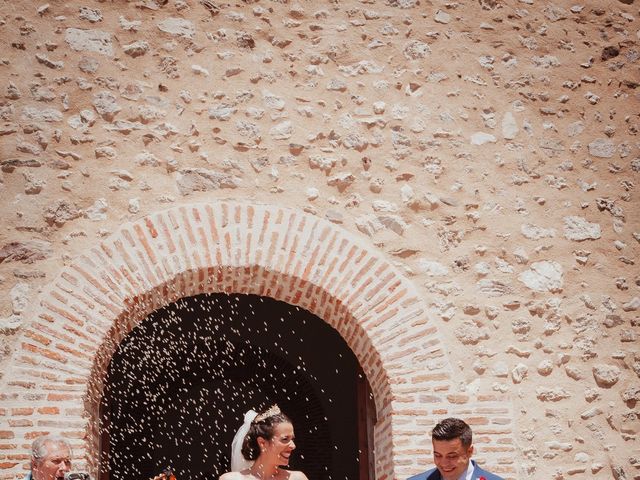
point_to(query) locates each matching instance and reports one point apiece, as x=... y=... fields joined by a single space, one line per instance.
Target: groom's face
x=451 y=457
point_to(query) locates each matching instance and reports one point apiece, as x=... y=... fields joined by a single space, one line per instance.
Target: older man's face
x=54 y=464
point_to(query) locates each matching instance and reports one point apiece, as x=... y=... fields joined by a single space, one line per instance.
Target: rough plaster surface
x=488 y=147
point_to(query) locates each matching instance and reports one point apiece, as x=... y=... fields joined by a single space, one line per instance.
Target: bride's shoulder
x=297 y=475
x=232 y=476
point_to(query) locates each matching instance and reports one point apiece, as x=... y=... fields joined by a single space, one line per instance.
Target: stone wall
x=488 y=149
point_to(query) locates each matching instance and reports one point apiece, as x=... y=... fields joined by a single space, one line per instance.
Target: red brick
x=23 y=422
x=43 y=351
x=61 y=397
x=49 y=410
x=22 y=411
x=37 y=337
x=458 y=398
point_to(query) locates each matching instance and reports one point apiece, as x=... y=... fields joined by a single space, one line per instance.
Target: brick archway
x=59 y=363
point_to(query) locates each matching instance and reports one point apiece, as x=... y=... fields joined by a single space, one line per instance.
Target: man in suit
x=50 y=458
x=452 y=450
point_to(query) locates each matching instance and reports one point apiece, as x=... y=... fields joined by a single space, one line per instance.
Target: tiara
x=270 y=412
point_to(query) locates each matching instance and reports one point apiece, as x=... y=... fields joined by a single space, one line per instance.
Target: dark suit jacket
x=478 y=474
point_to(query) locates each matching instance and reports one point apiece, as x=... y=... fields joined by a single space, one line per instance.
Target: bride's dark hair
x=265 y=428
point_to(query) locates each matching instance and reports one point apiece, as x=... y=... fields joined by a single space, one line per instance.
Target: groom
x=452 y=450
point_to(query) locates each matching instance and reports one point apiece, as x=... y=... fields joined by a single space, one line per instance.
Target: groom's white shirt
x=468 y=473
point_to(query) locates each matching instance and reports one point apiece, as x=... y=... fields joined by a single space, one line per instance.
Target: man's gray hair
x=39 y=448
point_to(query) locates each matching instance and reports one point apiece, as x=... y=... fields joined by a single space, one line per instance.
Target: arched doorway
x=271 y=251
x=180 y=382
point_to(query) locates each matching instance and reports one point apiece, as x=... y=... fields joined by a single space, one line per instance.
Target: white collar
x=468 y=473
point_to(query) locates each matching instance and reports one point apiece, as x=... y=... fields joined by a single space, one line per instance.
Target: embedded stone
x=41 y=114
x=546 y=61
x=146 y=159
x=334 y=216
x=44 y=60
x=494 y=288
x=509 y=126
x=136 y=49
x=61 y=212
x=602 y=148
x=519 y=373
x=579 y=229
x=415 y=50
x=98 y=211
x=543 y=276
x=360 y=68
x=89 y=40
x=555 y=13
x=432 y=268
x=272 y=101
x=384 y=206
x=20 y=298
x=545 y=368
x=93 y=15
x=10 y=324
x=178 y=27
x=395 y=223
x=631 y=394
x=573 y=372
x=88 y=65
x=336 y=85
x=282 y=131
x=442 y=17
x=562 y=446
x=575 y=128
x=11 y=164
x=470 y=334
x=8 y=128
x=192 y=180
x=480 y=138
x=551 y=394
x=130 y=26
x=590 y=413
x=368 y=224
x=355 y=141
x=606 y=376
x=222 y=112
x=28 y=251
x=632 y=305
x=134 y=205
x=322 y=162
x=106 y=105
x=341 y=180
x=533 y=232
x=33 y=185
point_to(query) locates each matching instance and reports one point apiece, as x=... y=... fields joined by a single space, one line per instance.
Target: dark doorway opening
x=179 y=384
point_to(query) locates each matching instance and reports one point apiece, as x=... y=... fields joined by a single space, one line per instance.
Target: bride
x=261 y=446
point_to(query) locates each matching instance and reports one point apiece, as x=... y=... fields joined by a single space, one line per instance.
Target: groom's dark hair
x=452 y=428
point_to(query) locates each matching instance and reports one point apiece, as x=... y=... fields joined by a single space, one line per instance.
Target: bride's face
x=279 y=448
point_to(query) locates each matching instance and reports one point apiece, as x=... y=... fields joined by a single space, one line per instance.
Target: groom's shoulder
x=428 y=475
x=485 y=475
